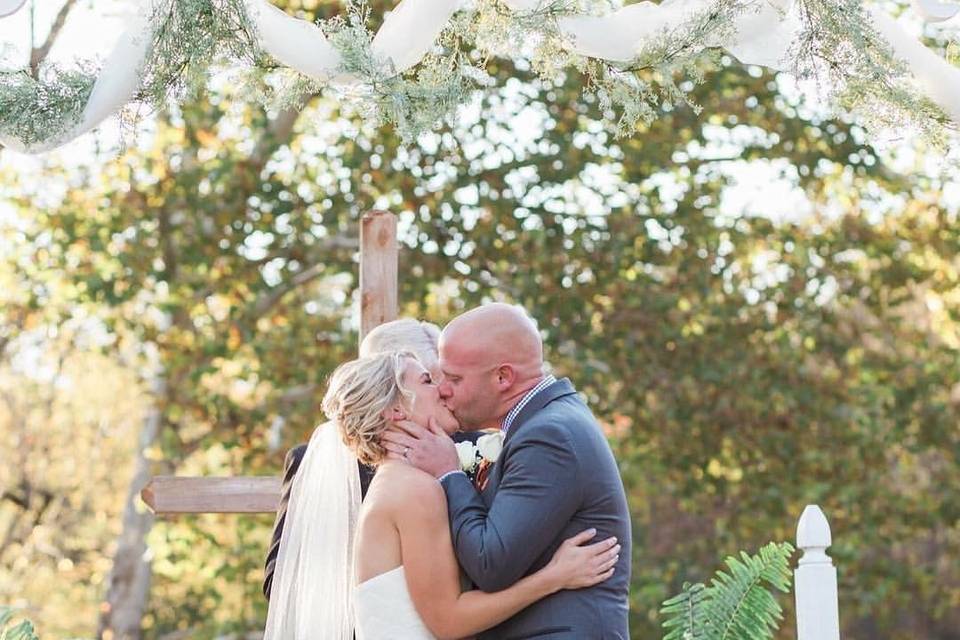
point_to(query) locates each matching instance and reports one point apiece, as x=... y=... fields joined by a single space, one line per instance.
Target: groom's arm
x=539 y=492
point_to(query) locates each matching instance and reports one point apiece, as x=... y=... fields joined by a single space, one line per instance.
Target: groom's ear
x=506 y=376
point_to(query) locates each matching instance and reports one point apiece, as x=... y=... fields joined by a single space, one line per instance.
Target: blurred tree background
x=176 y=308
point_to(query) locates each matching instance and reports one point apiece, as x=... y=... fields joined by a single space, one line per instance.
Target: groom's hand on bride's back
x=428 y=448
x=578 y=565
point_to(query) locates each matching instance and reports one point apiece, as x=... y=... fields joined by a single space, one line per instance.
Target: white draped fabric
x=118 y=80
x=934 y=11
x=762 y=36
x=937 y=78
x=9 y=7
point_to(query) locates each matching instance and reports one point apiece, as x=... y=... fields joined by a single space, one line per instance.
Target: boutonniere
x=476 y=459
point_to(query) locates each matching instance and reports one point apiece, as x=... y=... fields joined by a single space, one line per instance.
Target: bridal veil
x=312 y=594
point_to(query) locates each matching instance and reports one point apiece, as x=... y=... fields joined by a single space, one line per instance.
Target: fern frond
x=22 y=631
x=738 y=604
x=686 y=615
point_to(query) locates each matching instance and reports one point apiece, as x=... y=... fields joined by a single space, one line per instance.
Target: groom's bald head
x=496 y=331
x=491 y=356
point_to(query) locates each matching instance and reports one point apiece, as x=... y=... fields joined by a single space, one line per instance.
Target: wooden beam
x=170 y=495
x=167 y=495
x=378 y=270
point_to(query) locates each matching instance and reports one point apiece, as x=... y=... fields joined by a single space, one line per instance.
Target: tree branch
x=39 y=54
x=4 y=342
x=296 y=394
x=278 y=131
x=270 y=298
x=267 y=301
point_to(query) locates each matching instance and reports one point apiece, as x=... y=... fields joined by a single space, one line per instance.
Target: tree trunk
x=128 y=586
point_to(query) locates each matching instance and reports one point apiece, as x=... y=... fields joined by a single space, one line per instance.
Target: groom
x=554 y=478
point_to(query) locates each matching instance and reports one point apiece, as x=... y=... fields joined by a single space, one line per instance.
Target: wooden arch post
x=378 y=270
x=171 y=495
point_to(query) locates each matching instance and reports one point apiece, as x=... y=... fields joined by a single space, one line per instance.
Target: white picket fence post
x=815 y=579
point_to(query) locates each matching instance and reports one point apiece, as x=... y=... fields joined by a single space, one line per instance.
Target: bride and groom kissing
x=538 y=547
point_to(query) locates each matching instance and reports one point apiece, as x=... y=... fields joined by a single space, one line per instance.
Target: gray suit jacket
x=555 y=478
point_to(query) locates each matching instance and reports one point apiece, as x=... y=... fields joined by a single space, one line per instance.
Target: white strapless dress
x=385 y=610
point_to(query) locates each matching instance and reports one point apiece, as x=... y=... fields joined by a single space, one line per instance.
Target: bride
x=387 y=570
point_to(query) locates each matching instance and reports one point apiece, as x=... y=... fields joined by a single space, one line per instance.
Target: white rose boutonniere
x=476 y=459
x=467 y=452
x=490 y=446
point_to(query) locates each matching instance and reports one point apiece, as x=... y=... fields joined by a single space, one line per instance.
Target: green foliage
x=39 y=109
x=188 y=38
x=838 y=46
x=841 y=49
x=642 y=89
x=415 y=101
x=738 y=604
x=746 y=357
x=9 y=631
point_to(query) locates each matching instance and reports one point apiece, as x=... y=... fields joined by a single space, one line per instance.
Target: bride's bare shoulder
x=404 y=483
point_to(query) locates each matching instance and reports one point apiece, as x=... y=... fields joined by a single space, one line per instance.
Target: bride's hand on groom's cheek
x=429 y=449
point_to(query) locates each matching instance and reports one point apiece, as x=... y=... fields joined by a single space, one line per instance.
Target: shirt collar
x=513 y=413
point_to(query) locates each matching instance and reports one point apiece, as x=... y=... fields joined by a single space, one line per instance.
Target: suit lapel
x=558 y=389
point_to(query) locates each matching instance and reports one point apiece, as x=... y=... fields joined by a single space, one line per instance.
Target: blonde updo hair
x=405 y=334
x=358 y=394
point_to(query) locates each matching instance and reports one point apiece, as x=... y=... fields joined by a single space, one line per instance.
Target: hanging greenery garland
x=414 y=101
x=841 y=50
x=34 y=109
x=837 y=45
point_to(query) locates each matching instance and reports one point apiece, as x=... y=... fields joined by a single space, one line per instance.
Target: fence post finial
x=818 y=616
x=813 y=536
